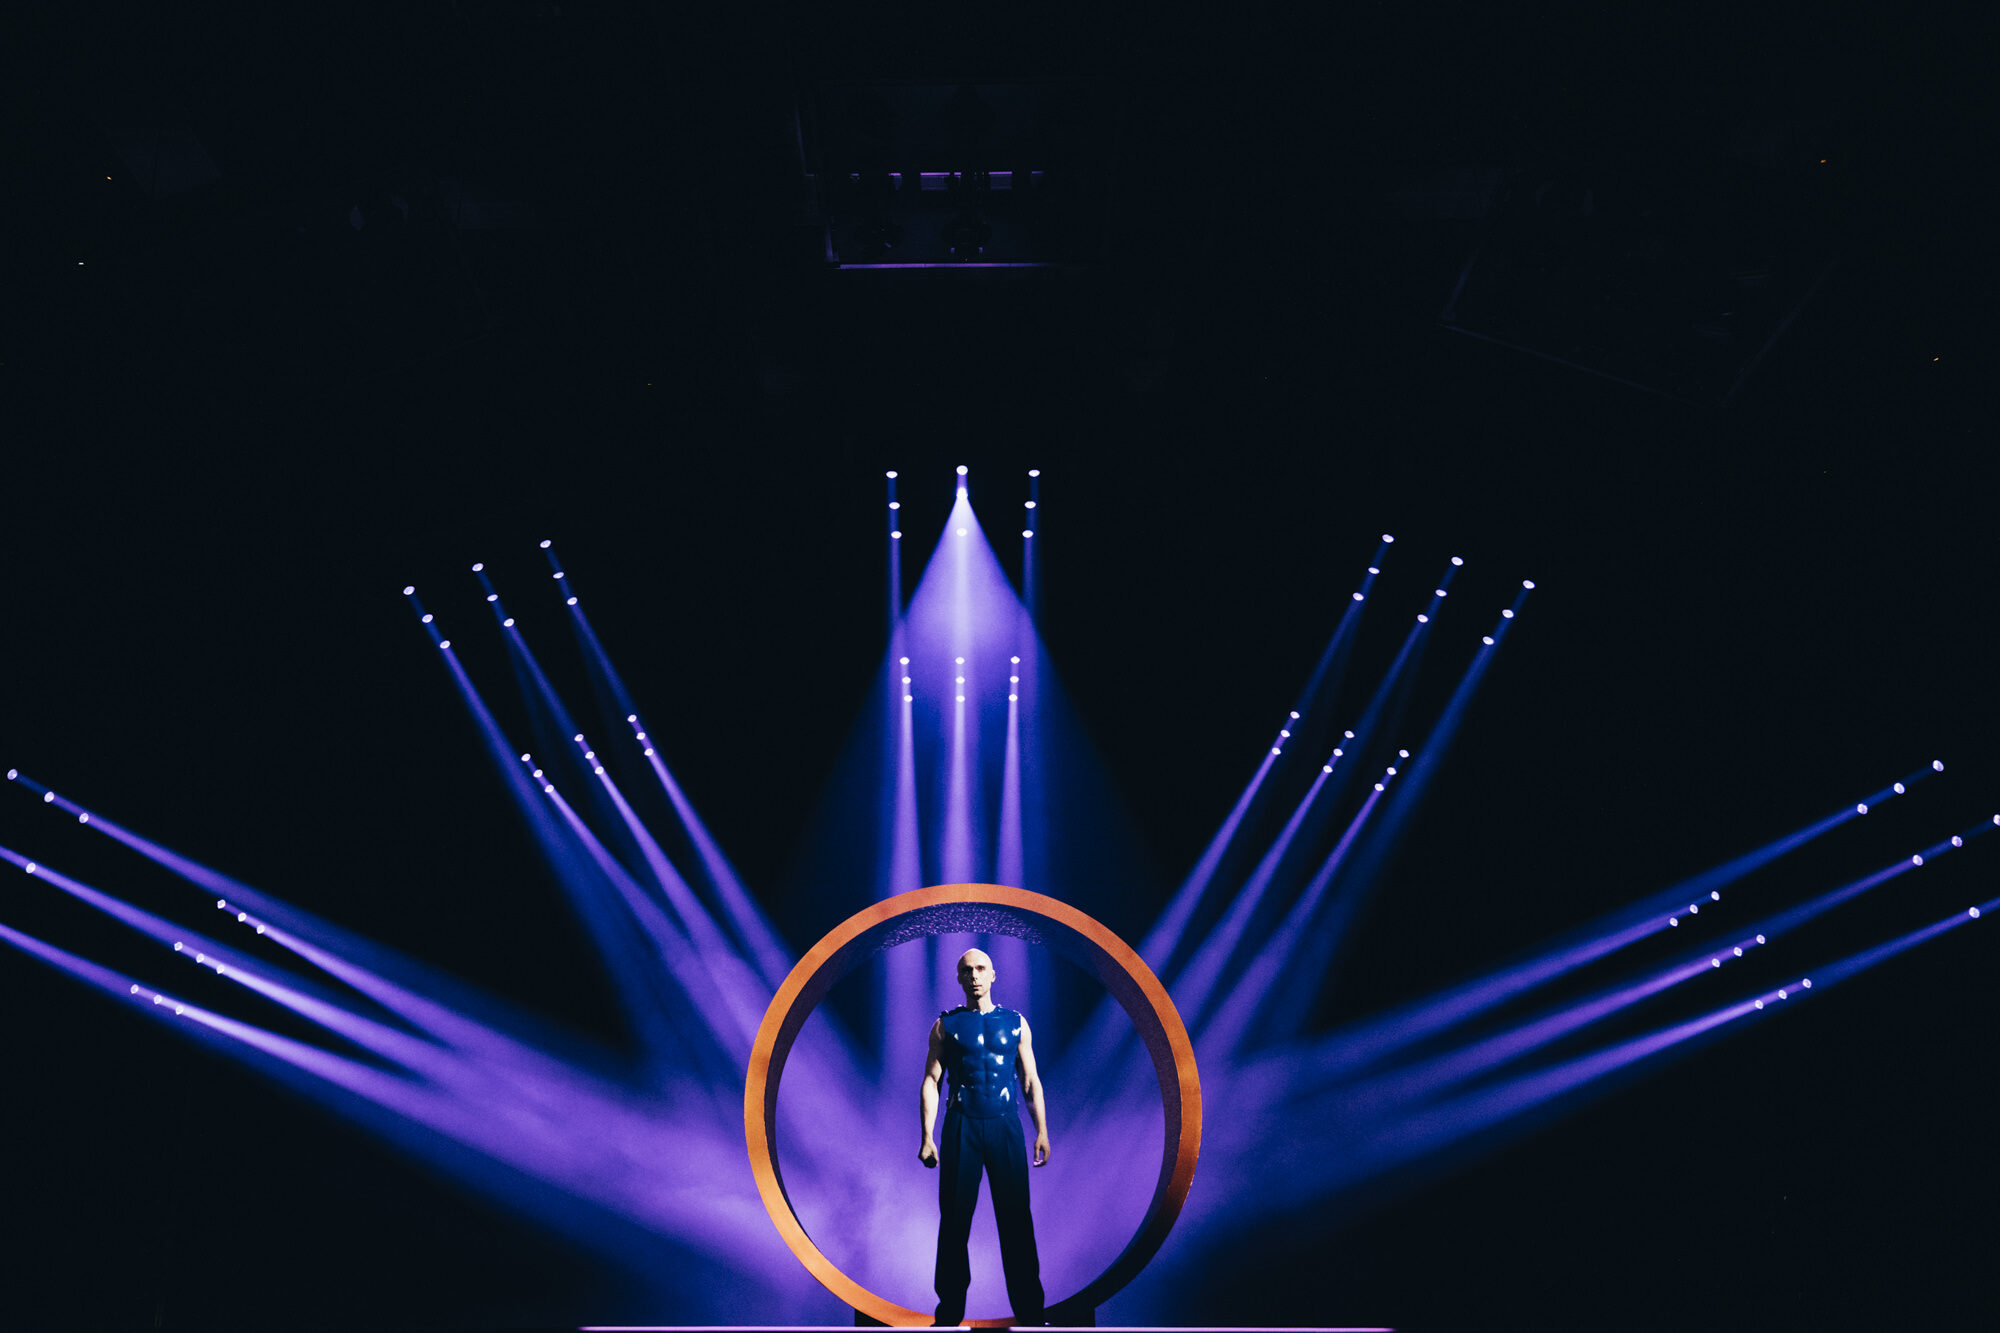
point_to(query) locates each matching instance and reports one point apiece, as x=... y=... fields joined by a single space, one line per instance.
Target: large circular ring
x=991 y=909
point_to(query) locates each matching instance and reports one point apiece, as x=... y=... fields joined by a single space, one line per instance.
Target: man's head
x=975 y=977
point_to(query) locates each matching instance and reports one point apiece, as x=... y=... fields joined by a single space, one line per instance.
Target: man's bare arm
x=1031 y=1088
x=927 y=1098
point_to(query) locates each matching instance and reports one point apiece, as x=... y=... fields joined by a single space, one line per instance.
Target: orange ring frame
x=1031 y=916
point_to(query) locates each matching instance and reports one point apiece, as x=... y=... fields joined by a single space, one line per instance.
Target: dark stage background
x=1728 y=405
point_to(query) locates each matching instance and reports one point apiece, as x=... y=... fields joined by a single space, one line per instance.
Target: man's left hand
x=1042 y=1148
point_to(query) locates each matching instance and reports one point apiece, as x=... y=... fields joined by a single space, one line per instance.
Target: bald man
x=984 y=1048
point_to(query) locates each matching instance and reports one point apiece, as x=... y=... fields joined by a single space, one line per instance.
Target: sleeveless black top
x=980 y=1053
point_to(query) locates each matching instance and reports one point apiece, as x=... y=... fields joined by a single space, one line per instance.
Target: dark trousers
x=994 y=1144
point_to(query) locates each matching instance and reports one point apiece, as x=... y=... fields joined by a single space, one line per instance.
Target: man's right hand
x=928 y=1154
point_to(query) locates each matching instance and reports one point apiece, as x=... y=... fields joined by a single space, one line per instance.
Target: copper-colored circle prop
x=990 y=909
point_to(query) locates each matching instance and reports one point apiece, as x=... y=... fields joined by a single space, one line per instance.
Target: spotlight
x=492 y=596
x=890 y=475
x=1916 y=860
x=31 y=867
x=48 y=796
x=1373 y=570
x=558 y=574
x=962 y=469
x=1013 y=680
x=909 y=698
x=1673 y=921
x=1937 y=765
x=1437 y=592
x=1423 y=619
x=85 y=819
x=895 y=504
x=1034 y=472
x=409 y=589
x=961 y=532
x=1402 y=754
x=508 y=623
x=906 y=680
x=1013 y=698
x=1739 y=951
x=961 y=698
x=1378 y=786
x=1326 y=768
x=1286 y=734
x=633 y=717
x=1027 y=532
x=13 y=773
x=1387 y=538
x=1715 y=962
x=1529 y=584
x=1486 y=639
x=1029 y=504
x=537 y=773
x=479 y=567
x=1861 y=809
x=1974 y=912
x=1694 y=909
x=527 y=758
x=959 y=681
x=958 y=661
x=897 y=533
x=1898 y=789
x=1456 y=561
x=1760 y=1004
x=1350 y=736
x=1507 y=614
x=904 y=660
x=545 y=543
x=1760 y=939
x=1806 y=982
x=1295 y=716
x=1338 y=752
x=1275 y=750
x=1956 y=841
x=649 y=752
x=427 y=617
x=570 y=602
x=1715 y=895
x=1358 y=597
x=578 y=738
x=445 y=643
x=1392 y=772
